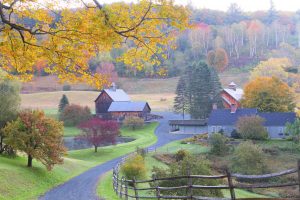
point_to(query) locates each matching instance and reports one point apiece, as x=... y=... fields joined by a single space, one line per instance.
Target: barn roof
x=237 y=94
x=127 y=106
x=116 y=94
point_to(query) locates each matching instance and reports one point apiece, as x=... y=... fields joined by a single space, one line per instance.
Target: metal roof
x=116 y=94
x=127 y=106
x=189 y=122
x=278 y=118
x=225 y=117
x=236 y=94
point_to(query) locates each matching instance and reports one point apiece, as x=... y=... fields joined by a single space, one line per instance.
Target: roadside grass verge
x=19 y=182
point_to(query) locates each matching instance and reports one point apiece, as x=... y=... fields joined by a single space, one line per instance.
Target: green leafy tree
x=9 y=104
x=41 y=138
x=248 y=158
x=181 y=101
x=218 y=144
x=294 y=129
x=251 y=127
x=63 y=103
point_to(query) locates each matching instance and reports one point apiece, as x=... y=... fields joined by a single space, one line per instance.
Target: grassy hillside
x=21 y=183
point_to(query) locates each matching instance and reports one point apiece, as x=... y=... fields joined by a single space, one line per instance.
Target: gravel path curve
x=83 y=186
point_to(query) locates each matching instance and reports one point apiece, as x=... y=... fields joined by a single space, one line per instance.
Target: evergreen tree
x=181 y=101
x=63 y=103
x=200 y=88
x=216 y=88
x=272 y=13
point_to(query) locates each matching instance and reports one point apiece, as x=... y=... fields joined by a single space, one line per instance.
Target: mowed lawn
x=21 y=183
x=49 y=100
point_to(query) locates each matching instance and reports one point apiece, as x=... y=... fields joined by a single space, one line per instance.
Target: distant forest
x=247 y=38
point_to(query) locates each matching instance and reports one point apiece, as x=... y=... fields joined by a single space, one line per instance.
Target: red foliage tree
x=96 y=131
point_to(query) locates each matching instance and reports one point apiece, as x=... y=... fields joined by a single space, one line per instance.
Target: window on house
x=281 y=130
x=213 y=129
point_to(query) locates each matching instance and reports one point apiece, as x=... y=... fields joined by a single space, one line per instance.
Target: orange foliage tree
x=37 y=136
x=268 y=94
x=218 y=59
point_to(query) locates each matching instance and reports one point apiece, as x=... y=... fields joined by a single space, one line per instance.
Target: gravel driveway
x=83 y=187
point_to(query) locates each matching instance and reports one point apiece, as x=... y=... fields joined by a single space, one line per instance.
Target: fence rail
x=128 y=189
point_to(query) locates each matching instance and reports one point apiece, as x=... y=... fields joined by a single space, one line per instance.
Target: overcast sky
x=246 y=5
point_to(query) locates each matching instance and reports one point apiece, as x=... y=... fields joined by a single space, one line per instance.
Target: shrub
x=235 y=134
x=134 y=167
x=63 y=103
x=192 y=165
x=66 y=88
x=141 y=151
x=218 y=144
x=181 y=154
x=251 y=127
x=248 y=158
x=133 y=122
x=73 y=114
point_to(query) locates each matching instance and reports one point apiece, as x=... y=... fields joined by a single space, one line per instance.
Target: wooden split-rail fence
x=129 y=189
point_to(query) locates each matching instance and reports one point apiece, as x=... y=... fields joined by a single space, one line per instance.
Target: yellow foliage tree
x=64 y=39
x=268 y=94
x=272 y=67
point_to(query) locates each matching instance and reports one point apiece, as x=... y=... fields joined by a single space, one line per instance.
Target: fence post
x=121 y=187
x=117 y=182
x=298 y=168
x=126 y=190
x=230 y=184
x=135 y=190
x=156 y=186
x=190 y=183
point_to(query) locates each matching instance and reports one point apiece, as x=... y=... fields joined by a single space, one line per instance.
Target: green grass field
x=19 y=182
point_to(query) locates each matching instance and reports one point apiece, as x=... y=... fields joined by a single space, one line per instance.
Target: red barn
x=114 y=103
x=232 y=96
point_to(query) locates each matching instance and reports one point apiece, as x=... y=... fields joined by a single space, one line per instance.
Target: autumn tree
x=9 y=104
x=38 y=136
x=63 y=103
x=66 y=40
x=273 y=67
x=73 y=115
x=97 y=131
x=218 y=59
x=251 y=127
x=268 y=94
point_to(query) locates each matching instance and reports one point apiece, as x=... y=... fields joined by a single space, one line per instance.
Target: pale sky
x=246 y=5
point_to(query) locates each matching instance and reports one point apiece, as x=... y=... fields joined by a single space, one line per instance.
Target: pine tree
x=181 y=101
x=216 y=88
x=200 y=88
x=63 y=103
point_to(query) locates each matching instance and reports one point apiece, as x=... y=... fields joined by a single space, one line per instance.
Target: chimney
x=232 y=86
x=214 y=106
x=113 y=86
x=233 y=108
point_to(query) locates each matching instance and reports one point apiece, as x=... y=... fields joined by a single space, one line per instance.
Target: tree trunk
x=29 y=162
x=1 y=144
x=96 y=149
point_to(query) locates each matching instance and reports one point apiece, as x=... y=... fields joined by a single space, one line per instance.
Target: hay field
x=50 y=100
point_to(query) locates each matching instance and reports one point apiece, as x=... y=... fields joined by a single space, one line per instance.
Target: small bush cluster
x=134 y=167
x=133 y=122
x=251 y=127
x=249 y=158
x=181 y=154
x=218 y=144
x=73 y=115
